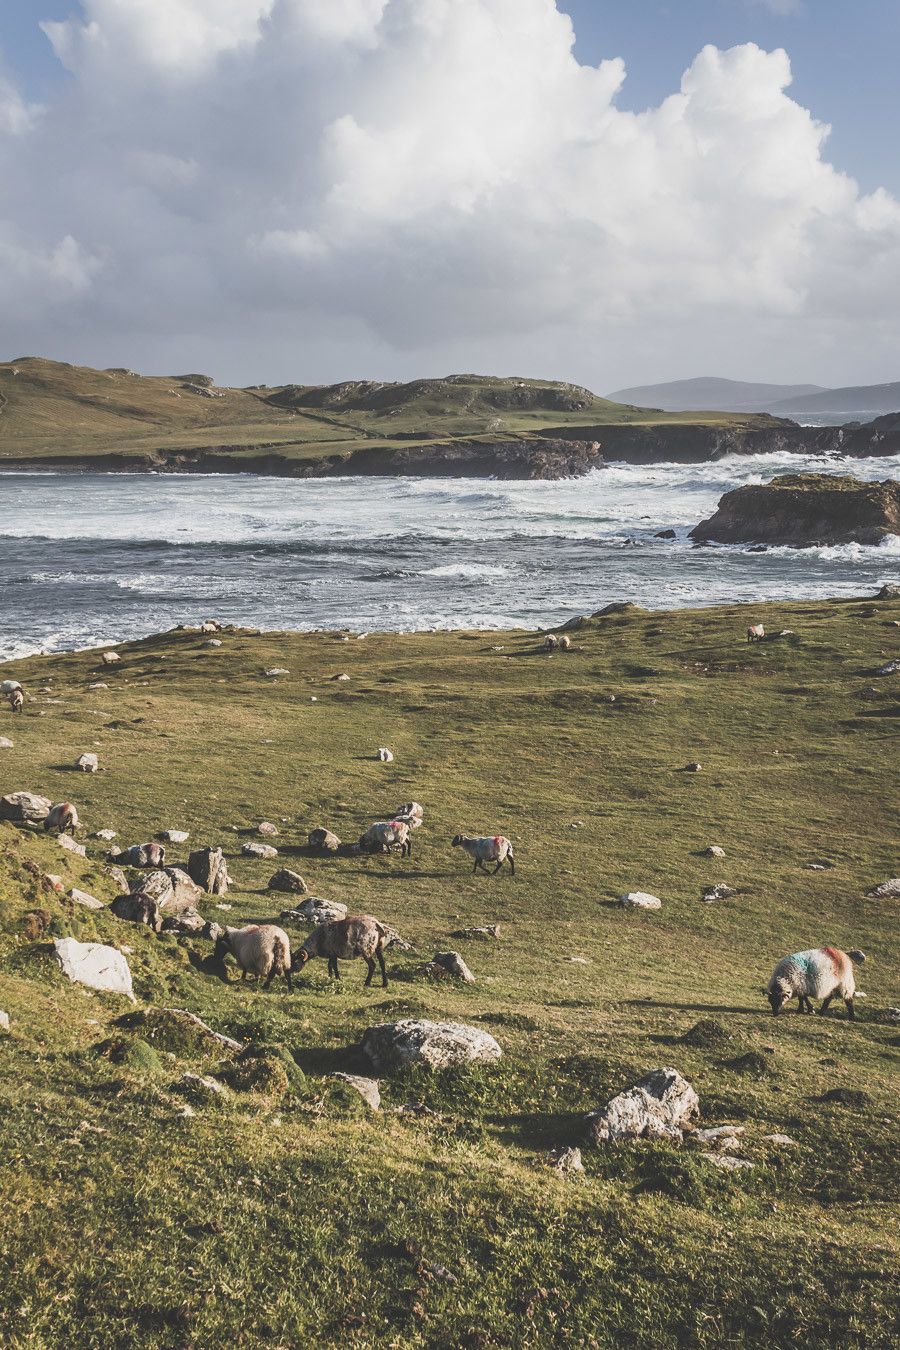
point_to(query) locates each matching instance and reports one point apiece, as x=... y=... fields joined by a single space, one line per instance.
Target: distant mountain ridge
x=864 y=399
x=860 y=402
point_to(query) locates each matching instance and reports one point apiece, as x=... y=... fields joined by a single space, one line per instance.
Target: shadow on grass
x=691 y=1007
x=538 y=1129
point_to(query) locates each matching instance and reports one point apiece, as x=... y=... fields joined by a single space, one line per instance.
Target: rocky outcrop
x=208 y=869
x=660 y=1106
x=395 y=1045
x=24 y=807
x=804 y=509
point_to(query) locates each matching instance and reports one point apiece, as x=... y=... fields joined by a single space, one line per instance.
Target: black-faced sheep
x=756 y=632
x=487 y=848
x=823 y=972
x=16 y=700
x=62 y=819
x=343 y=940
x=551 y=643
x=260 y=949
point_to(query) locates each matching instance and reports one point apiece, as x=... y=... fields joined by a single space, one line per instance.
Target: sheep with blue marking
x=822 y=972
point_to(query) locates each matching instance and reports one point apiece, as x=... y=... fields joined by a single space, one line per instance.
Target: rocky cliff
x=804 y=509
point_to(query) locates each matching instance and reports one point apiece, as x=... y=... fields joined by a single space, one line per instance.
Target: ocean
x=95 y=558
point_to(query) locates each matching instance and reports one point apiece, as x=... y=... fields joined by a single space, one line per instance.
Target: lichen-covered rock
x=286 y=880
x=266 y=828
x=185 y=892
x=323 y=839
x=316 y=910
x=156 y=886
x=253 y=850
x=567 y=1161
x=366 y=1087
x=888 y=890
x=207 y=867
x=94 y=965
x=83 y=898
x=107 y=835
x=24 y=806
x=395 y=1045
x=640 y=900
x=87 y=763
x=454 y=965
x=659 y=1106
x=71 y=845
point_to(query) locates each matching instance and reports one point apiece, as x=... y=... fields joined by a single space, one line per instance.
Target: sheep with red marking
x=386 y=835
x=486 y=848
x=822 y=972
x=62 y=819
x=756 y=632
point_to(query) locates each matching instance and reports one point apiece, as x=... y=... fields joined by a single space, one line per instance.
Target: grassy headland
x=287 y=1216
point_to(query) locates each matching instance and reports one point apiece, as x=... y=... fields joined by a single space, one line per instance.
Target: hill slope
x=710 y=392
x=864 y=401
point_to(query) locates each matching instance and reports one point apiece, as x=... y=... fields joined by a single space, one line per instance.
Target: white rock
x=4 y=1021
x=5 y=743
x=110 y=658
x=366 y=1087
x=71 y=845
x=784 y=1139
x=254 y=850
x=174 y=836
x=640 y=900
x=98 y=684
x=83 y=898
x=718 y=892
x=454 y=965
x=385 y=755
x=213 y=642
x=394 y=1045
x=889 y=889
x=714 y=851
x=108 y=835
x=315 y=910
x=719 y=1132
x=578 y=960
x=87 y=763
x=94 y=965
x=657 y=1107
x=274 y=671
x=726 y=1162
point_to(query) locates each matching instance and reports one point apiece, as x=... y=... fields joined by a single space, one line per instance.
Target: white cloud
x=396 y=186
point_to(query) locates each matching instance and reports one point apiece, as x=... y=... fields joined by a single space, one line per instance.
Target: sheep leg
x=826 y=1004
x=512 y=863
x=287 y=976
x=380 y=954
x=850 y=1013
x=371 y=964
x=497 y=868
x=269 y=978
x=475 y=868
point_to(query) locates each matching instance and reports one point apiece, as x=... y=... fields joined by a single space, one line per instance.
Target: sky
x=611 y=192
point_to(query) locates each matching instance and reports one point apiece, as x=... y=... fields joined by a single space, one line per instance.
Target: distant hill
x=709 y=393
x=858 y=401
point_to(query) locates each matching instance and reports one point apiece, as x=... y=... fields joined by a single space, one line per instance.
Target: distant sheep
x=62 y=819
x=564 y=643
x=260 y=949
x=411 y=814
x=8 y=687
x=484 y=849
x=344 y=939
x=323 y=839
x=141 y=855
x=16 y=700
x=550 y=643
x=385 y=835
x=756 y=632
x=823 y=972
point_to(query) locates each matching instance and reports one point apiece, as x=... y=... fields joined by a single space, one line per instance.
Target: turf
x=286 y=1215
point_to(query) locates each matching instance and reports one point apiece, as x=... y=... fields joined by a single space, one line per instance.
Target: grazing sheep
x=487 y=848
x=344 y=939
x=62 y=819
x=8 y=687
x=411 y=814
x=138 y=908
x=323 y=839
x=16 y=700
x=756 y=632
x=550 y=643
x=821 y=973
x=260 y=949
x=385 y=835
x=141 y=855
x=564 y=643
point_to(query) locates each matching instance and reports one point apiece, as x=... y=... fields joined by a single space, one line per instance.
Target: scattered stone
x=87 y=763
x=174 y=836
x=726 y=1136
x=578 y=960
x=24 y=807
x=726 y=1162
x=110 y=658
x=714 y=851
x=83 y=898
x=640 y=900
x=889 y=668
x=213 y=642
x=888 y=890
x=385 y=755
x=4 y=1021
x=565 y=1160
x=253 y=850
x=71 y=845
x=98 y=684
x=108 y=835
x=784 y=1140
x=453 y=964
x=191 y=923
x=286 y=880
x=665 y=534
x=323 y=839
x=481 y=934
x=265 y=827
x=694 y=767
x=342 y=676
x=659 y=1106
x=6 y=743
x=366 y=1087
x=275 y=671
x=207 y=867
x=718 y=892
x=315 y=910
x=224 y=907
x=94 y=965
x=394 y=1045
x=118 y=876
x=156 y=886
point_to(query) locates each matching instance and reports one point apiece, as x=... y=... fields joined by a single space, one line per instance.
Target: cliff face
x=801 y=510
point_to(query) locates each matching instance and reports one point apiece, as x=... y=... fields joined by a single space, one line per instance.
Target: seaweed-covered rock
x=805 y=509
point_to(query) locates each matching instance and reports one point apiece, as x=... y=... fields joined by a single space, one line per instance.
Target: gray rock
x=174 y=836
x=83 y=898
x=366 y=1087
x=454 y=965
x=323 y=839
x=139 y=855
x=157 y=886
x=4 y=1021
x=207 y=867
x=24 y=806
x=254 y=850
x=713 y=851
x=265 y=827
x=888 y=890
x=784 y=1140
x=659 y=1106
x=315 y=910
x=213 y=642
x=726 y=1136
x=640 y=900
x=286 y=880
x=726 y=1163
x=118 y=876
x=485 y=933
x=718 y=892
x=385 y=755
x=274 y=671
x=94 y=965
x=87 y=763
x=394 y=1045
x=5 y=743
x=108 y=835
x=71 y=845
x=110 y=658
x=191 y=923
x=565 y=1160
x=186 y=892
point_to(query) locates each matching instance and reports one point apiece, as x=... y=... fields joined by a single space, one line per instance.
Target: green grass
x=114 y=418
x=288 y=1216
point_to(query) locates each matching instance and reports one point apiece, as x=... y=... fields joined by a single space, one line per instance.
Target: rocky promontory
x=803 y=509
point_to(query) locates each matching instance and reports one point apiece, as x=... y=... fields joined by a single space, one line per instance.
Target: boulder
x=24 y=807
x=71 y=845
x=665 y=534
x=265 y=827
x=640 y=900
x=567 y=1161
x=156 y=886
x=324 y=840
x=453 y=964
x=713 y=851
x=286 y=880
x=366 y=1087
x=888 y=890
x=94 y=965
x=718 y=892
x=108 y=835
x=190 y=922
x=889 y=591
x=213 y=642
x=186 y=892
x=395 y=1045
x=659 y=1106
x=207 y=867
x=254 y=850
x=315 y=910
x=87 y=763
x=110 y=658
x=173 y=836
x=5 y=743
x=83 y=898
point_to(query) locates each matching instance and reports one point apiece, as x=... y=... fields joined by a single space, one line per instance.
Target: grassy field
x=49 y=409
x=288 y=1215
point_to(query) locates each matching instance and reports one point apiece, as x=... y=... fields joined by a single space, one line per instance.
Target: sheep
x=564 y=643
x=485 y=849
x=385 y=835
x=62 y=818
x=138 y=908
x=411 y=814
x=8 y=687
x=141 y=855
x=324 y=840
x=260 y=949
x=344 y=939
x=756 y=632
x=550 y=643
x=16 y=700
x=821 y=973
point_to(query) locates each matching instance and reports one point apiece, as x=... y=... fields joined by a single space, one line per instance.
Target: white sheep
x=8 y=687
x=343 y=939
x=564 y=643
x=260 y=949
x=822 y=972
x=411 y=814
x=384 y=835
x=487 y=848
x=16 y=700
x=550 y=643
x=62 y=818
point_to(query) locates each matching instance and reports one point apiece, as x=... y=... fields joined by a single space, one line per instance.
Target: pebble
x=726 y=1162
